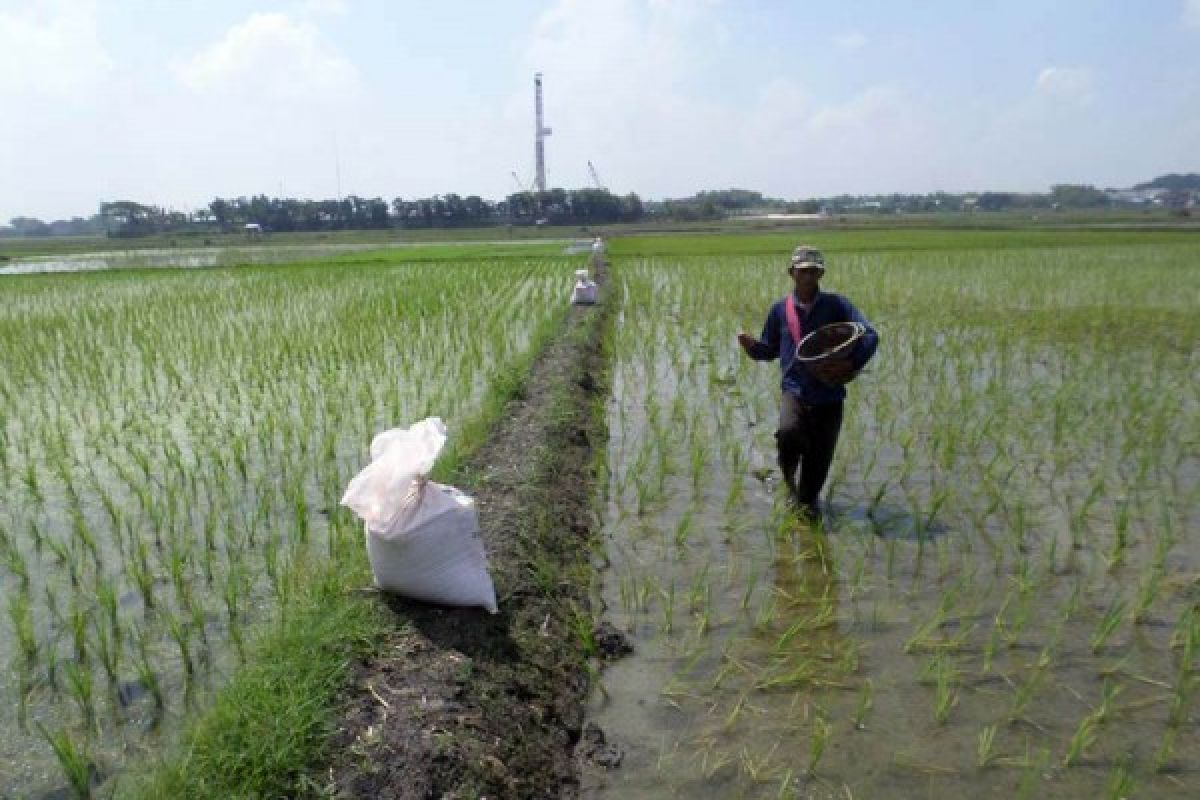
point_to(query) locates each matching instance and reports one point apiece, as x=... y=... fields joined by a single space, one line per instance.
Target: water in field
x=173 y=445
x=195 y=257
x=1002 y=601
x=182 y=258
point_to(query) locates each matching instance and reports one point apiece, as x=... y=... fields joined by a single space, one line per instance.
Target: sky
x=175 y=102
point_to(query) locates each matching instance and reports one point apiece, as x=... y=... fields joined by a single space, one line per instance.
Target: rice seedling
x=822 y=733
x=1084 y=737
x=74 y=761
x=1108 y=624
x=20 y=612
x=1166 y=749
x=945 y=696
x=108 y=650
x=1032 y=773
x=1120 y=782
x=758 y=768
x=985 y=754
x=865 y=702
x=82 y=687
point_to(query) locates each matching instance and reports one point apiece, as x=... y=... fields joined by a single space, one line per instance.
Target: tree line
x=571 y=207
x=1179 y=192
x=126 y=218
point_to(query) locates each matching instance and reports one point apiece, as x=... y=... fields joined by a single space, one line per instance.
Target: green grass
x=274 y=718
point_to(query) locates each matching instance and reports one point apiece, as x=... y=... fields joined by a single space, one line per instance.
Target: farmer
x=810 y=414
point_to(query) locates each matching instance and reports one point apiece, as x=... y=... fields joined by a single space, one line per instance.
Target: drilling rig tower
x=540 y=134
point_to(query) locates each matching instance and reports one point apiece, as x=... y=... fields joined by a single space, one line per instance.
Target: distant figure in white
x=598 y=250
x=584 y=293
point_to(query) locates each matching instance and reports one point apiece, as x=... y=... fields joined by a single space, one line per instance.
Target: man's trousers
x=806 y=438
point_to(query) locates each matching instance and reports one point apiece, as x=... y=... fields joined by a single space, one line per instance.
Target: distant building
x=1137 y=197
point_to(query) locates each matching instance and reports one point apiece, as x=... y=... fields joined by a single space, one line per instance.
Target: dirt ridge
x=462 y=704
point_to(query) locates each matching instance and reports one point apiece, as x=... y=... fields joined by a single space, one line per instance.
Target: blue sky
x=175 y=102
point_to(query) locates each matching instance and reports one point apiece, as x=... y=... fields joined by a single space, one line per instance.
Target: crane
x=520 y=184
x=595 y=176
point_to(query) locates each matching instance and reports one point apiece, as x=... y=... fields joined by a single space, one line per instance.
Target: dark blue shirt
x=776 y=342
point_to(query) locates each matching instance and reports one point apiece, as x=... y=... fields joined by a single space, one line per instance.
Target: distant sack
x=584 y=293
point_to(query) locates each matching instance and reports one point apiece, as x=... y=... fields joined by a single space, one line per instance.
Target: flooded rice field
x=197 y=257
x=172 y=450
x=1002 y=599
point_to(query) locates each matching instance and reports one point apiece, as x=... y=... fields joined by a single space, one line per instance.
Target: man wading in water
x=810 y=414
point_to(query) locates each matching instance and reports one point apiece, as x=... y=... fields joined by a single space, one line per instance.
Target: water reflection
x=198 y=257
x=798 y=629
x=178 y=258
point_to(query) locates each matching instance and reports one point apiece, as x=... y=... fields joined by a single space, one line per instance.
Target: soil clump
x=459 y=703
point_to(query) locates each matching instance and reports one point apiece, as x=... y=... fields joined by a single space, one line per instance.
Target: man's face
x=806 y=277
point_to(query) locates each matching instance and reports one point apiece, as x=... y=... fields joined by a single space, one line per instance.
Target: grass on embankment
x=271 y=723
x=273 y=717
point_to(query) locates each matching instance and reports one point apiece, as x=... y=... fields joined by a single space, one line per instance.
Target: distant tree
x=1174 y=182
x=29 y=226
x=1069 y=195
x=127 y=218
x=221 y=211
x=730 y=198
x=995 y=201
x=632 y=209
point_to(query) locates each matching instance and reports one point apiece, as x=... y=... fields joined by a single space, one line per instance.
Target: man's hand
x=835 y=372
x=747 y=342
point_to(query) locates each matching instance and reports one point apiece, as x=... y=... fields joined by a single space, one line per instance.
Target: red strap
x=793 y=319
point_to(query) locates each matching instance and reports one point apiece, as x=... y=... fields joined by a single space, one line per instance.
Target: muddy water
x=913 y=648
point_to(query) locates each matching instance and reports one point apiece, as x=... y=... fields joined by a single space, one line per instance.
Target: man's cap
x=807 y=257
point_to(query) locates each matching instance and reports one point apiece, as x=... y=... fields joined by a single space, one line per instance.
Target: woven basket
x=829 y=343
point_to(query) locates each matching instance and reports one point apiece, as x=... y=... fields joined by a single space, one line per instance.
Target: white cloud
x=332 y=8
x=1066 y=83
x=853 y=40
x=621 y=90
x=1191 y=13
x=874 y=109
x=875 y=140
x=615 y=91
x=51 y=48
x=269 y=54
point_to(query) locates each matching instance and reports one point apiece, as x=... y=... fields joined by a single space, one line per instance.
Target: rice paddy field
x=1003 y=599
x=173 y=445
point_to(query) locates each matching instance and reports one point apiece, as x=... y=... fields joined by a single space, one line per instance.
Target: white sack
x=584 y=293
x=383 y=493
x=439 y=557
x=423 y=538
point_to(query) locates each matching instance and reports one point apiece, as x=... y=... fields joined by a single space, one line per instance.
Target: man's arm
x=766 y=348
